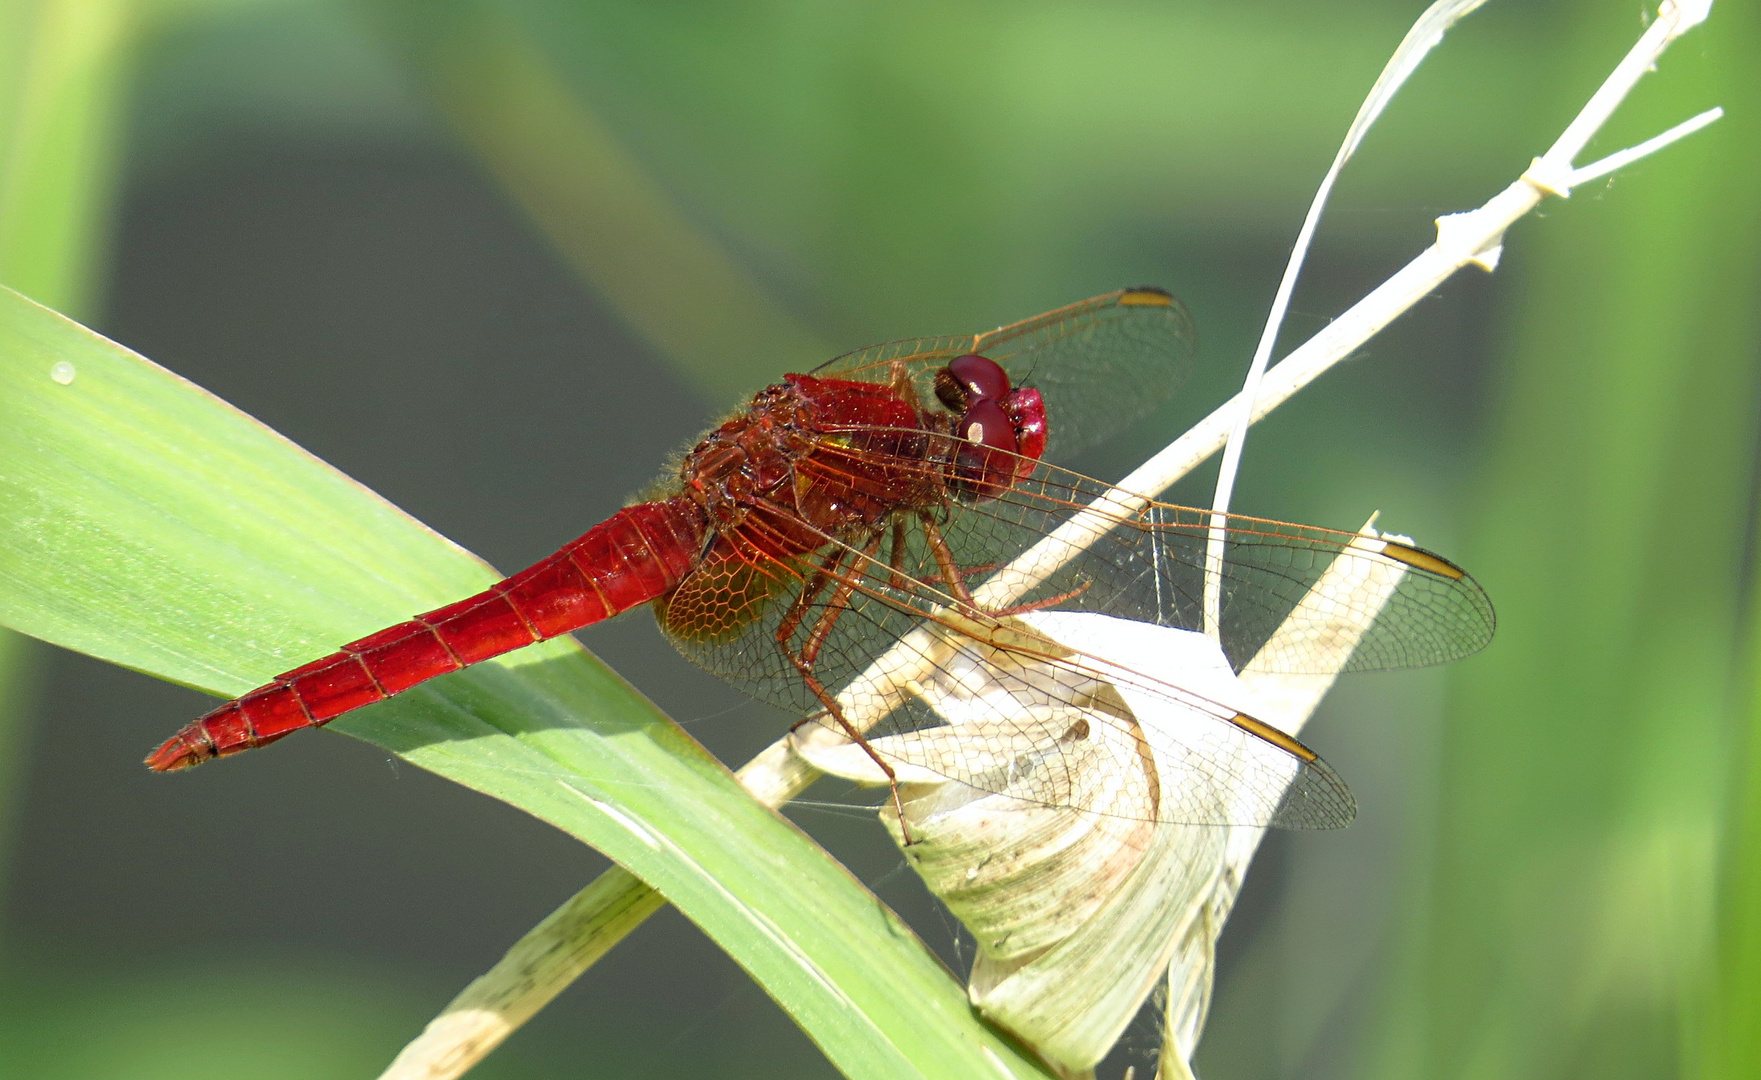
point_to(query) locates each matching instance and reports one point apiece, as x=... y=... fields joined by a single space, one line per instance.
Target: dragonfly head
x=1003 y=427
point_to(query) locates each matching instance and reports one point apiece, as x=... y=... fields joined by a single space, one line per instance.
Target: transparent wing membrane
x=1150 y=567
x=994 y=699
x=1100 y=364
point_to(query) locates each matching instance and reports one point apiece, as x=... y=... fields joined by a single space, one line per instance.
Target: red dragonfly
x=842 y=509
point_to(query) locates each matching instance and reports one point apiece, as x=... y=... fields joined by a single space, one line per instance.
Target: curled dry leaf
x=1080 y=902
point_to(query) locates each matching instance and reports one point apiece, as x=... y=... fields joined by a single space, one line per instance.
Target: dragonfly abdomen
x=636 y=555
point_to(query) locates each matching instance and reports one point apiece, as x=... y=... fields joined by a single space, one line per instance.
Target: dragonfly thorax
x=792 y=449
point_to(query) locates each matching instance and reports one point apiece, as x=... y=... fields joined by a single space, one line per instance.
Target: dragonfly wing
x=1100 y=364
x=876 y=620
x=1149 y=565
x=799 y=604
x=1016 y=708
x=1217 y=763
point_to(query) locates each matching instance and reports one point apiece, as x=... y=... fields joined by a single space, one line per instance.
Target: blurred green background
x=497 y=259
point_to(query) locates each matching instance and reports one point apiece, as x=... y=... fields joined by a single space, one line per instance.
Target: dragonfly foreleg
x=951 y=573
x=955 y=577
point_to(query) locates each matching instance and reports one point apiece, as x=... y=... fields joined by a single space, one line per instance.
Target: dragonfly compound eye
x=987 y=425
x=971 y=378
x=986 y=463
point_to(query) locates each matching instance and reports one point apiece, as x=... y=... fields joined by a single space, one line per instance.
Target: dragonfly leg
x=966 y=573
x=899 y=379
x=809 y=593
x=956 y=577
x=896 y=561
x=951 y=574
x=896 y=558
x=840 y=600
x=831 y=568
x=1041 y=605
x=836 y=713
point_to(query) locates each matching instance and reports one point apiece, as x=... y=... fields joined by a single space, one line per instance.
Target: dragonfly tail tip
x=179 y=752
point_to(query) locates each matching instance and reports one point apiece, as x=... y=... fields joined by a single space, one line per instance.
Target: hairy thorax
x=839 y=456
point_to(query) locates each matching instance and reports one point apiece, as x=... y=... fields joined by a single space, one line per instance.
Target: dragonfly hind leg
x=831 y=569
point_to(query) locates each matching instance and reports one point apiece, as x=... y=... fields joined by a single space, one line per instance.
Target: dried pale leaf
x=1072 y=1002
x=1020 y=876
x=1324 y=635
x=1186 y=741
x=1024 y=874
x=1024 y=867
x=1078 y=910
x=1069 y=902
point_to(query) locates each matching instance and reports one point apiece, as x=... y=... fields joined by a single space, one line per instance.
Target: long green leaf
x=146 y=522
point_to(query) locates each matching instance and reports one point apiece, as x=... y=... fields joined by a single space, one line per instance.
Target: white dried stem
x=1426 y=34
x=540 y=965
x=1674 y=18
x=1583 y=174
